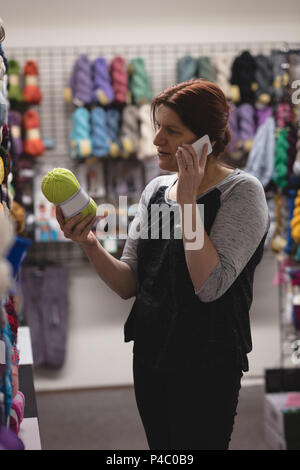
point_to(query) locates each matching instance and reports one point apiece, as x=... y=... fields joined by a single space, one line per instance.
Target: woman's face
x=170 y=134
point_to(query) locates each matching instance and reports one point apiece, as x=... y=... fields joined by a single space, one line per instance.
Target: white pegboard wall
x=55 y=66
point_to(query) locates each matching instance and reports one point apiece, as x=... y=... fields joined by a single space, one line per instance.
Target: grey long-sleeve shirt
x=239 y=226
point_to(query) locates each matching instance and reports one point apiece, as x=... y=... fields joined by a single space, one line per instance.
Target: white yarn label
x=2 y=352
x=30 y=79
x=14 y=80
x=75 y=204
x=15 y=132
x=33 y=134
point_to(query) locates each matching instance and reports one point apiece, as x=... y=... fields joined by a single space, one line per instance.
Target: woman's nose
x=159 y=138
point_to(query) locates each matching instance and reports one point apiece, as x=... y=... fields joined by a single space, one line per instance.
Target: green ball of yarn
x=61 y=184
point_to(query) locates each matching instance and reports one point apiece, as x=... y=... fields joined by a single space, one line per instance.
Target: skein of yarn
x=221 y=65
x=205 y=69
x=243 y=78
x=261 y=156
x=262 y=114
x=61 y=187
x=80 y=142
x=80 y=91
x=31 y=92
x=186 y=68
x=139 y=82
x=284 y=114
x=264 y=79
x=15 y=123
x=246 y=117
x=33 y=144
x=14 y=90
x=102 y=90
x=146 y=146
x=119 y=79
x=281 y=158
x=6 y=235
x=113 y=118
x=99 y=137
x=129 y=132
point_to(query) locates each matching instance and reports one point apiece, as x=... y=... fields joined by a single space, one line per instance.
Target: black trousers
x=188 y=410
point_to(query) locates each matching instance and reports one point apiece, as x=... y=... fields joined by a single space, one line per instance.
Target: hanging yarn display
x=221 y=65
x=262 y=114
x=280 y=75
x=31 y=92
x=243 y=78
x=80 y=142
x=15 y=124
x=186 y=68
x=281 y=159
x=14 y=90
x=99 y=137
x=102 y=90
x=119 y=78
x=61 y=187
x=246 y=118
x=113 y=119
x=295 y=221
x=80 y=90
x=33 y=144
x=261 y=156
x=4 y=165
x=139 y=82
x=278 y=243
x=6 y=242
x=146 y=146
x=284 y=114
x=205 y=69
x=264 y=80
x=3 y=102
x=296 y=165
x=129 y=132
x=291 y=205
x=293 y=180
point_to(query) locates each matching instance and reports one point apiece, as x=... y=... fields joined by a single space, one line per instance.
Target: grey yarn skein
x=263 y=75
x=129 y=131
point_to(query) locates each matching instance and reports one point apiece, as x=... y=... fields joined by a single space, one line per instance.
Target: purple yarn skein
x=262 y=115
x=102 y=80
x=15 y=119
x=246 y=114
x=81 y=81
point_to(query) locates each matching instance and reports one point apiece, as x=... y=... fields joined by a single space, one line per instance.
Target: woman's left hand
x=191 y=172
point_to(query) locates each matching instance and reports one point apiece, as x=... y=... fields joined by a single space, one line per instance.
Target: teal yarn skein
x=99 y=136
x=80 y=142
x=186 y=68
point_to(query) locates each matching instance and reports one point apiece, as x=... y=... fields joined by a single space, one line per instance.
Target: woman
x=190 y=320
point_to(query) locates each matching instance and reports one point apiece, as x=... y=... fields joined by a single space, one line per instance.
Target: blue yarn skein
x=291 y=206
x=80 y=145
x=113 y=118
x=100 y=141
x=187 y=69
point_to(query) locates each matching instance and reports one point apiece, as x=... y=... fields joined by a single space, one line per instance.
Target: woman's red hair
x=202 y=107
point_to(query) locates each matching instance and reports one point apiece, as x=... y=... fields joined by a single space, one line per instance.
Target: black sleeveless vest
x=171 y=327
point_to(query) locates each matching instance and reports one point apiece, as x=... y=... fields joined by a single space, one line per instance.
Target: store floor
x=108 y=419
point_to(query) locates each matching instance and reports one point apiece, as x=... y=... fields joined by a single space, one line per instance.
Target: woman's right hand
x=80 y=233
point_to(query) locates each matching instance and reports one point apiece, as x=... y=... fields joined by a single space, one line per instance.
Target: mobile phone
x=199 y=144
